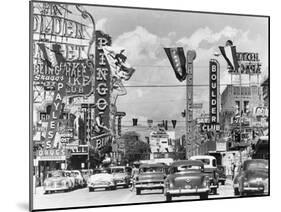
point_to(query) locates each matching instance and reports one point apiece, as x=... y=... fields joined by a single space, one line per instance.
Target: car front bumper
x=253 y=189
x=100 y=185
x=185 y=191
x=150 y=185
x=56 y=188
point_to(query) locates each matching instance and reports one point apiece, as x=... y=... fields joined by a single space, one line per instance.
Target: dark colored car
x=187 y=178
x=210 y=170
x=251 y=178
x=221 y=174
x=151 y=176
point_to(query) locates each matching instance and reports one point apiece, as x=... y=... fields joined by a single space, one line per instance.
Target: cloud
x=141 y=46
x=206 y=34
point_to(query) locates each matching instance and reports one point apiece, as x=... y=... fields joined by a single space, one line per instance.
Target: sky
x=144 y=34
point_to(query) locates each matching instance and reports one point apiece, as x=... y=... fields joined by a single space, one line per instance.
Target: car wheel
x=126 y=186
x=223 y=182
x=204 y=195
x=138 y=191
x=236 y=192
x=91 y=189
x=113 y=188
x=168 y=198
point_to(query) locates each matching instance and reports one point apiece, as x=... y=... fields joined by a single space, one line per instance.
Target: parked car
x=71 y=177
x=121 y=175
x=86 y=173
x=210 y=169
x=57 y=181
x=102 y=178
x=151 y=176
x=187 y=178
x=78 y=178
x=251 y=178
x=221 y=174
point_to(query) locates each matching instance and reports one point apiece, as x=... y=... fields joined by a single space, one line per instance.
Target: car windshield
x=184 y=168
x=254 y=165
x=151 y=169
x=56 y=174
x=205 y=161
x=102 y=171
x=118 y=170
x=74 y=174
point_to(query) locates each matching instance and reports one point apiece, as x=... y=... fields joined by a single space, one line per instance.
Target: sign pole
x=190 y=57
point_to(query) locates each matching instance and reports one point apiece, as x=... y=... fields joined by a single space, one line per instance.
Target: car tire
x=113 y=188
x=138 y=191
x=91 y=189
x=168 y=198
x=236 y=191
x=204 y=195
x=126 y=186
x=223 y=182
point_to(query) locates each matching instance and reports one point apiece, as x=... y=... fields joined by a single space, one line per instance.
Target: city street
x=83 y=197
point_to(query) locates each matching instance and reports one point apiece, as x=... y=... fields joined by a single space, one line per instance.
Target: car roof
x=187 y=162
x=255 y=160
x=152 y=165
x=202 y=157
x=117 y=167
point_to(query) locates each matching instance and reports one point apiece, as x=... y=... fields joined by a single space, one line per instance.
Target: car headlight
x=245 y=183
x=206 y=182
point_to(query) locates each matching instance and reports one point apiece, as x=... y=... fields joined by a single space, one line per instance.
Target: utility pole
x=190 y=57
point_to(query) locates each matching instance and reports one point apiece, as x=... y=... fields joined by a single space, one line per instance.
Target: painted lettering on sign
x=102 y=82
x=214 y=81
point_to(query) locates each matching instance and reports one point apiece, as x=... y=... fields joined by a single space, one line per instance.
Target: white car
x=102 y=178
x=78 y=178
x=57 y=181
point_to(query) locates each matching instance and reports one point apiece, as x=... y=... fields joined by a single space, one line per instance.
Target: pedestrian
x=233 y=168
x=135 y=173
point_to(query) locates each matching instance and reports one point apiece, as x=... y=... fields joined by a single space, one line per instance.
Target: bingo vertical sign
x=214 y=91
x=102 y=83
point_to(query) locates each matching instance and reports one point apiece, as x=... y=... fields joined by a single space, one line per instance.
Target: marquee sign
x=248 y=63
x=62 y=56
x=190 y=57
x=214 y=91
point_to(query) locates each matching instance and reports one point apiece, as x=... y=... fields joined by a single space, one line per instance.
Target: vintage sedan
x=251 y=178
x=57 y=181
x=71 y=178
x=210 y=169
x=102 y=178
x=151 y=176
x=121 y=175
x=86 y=173
x=187 y=178
x=79 y=180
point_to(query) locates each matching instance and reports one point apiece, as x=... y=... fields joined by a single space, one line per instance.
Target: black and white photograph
x=132 y=105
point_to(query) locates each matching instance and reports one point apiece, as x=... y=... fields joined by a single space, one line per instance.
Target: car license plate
x=188 y=187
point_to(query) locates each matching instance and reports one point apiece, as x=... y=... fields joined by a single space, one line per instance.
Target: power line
x=175 y=86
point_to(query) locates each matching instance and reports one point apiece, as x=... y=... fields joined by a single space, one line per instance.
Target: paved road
x=82 y=197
